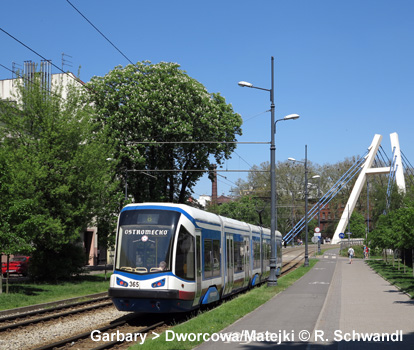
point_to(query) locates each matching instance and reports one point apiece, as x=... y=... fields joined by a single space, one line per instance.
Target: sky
x=346 y=67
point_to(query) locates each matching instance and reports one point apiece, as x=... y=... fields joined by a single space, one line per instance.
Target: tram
x=174 y=258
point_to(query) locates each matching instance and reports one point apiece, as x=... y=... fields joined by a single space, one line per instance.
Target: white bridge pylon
x=367 y=169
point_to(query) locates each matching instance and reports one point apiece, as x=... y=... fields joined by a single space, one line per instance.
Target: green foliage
x=53 y=169
x=144 y=105
x=58 y=263
x=379 y=200
x=311 y=227
x=247 y=209
x=291 y=194
x=395 y=230
x=358 y=249
x=357 y=225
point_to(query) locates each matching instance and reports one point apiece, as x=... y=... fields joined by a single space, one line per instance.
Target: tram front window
x=145 y=240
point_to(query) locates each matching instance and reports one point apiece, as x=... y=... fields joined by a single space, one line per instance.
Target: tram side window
x=216 y=258
x=208 y=268
x=185 y=257
x=256 y=254
x=238 y=256
x=212 y=258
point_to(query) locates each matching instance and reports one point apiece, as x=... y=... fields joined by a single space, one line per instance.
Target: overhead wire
x=243 y=159
x=78 y=80
x=109 y=41
x=25 y=78
x=36 y=53
x=255 y=116
x=225 y=177
x=54 y=65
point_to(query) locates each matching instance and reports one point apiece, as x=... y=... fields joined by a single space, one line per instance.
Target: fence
x=345 y=243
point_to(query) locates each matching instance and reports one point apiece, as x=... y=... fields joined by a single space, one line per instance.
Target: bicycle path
x=337 y=305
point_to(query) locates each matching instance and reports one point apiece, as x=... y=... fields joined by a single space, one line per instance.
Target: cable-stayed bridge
x=362 y=168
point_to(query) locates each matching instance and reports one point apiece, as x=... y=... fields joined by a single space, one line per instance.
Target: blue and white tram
x=173 y=258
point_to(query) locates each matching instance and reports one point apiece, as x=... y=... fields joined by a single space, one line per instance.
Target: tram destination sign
x=146 y=232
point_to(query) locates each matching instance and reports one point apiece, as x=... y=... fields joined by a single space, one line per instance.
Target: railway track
x=295 y=260
x=52 y=305
x=106 y=334
x=115 y=334
x=44 y=315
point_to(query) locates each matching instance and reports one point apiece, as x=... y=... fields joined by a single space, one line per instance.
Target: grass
x=404 y=281
x=323 y=250
x=215 y=320
x=29 y=293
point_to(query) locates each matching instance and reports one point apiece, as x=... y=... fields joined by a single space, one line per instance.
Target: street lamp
x=272 y=280
x=306 y=202
x=319 y=210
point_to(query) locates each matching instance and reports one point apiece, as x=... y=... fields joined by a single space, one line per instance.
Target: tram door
x=198 y=267
x=229 y=263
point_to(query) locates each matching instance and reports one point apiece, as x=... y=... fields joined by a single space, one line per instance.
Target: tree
x=357 y=225
x=247 y=208
x=55 y=156
x=394 y=229
x=290 y=184
x=150 y=109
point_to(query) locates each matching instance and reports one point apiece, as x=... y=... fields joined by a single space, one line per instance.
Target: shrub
x=53 y=265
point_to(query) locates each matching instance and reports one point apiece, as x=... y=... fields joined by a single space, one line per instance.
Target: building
x=8 y=87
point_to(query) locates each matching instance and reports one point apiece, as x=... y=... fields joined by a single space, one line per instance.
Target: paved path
x=361 y=301
x=335 y=300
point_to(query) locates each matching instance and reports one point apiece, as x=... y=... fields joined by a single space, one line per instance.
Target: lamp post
x=272 y=280
x=319 y=210
x=306 y=203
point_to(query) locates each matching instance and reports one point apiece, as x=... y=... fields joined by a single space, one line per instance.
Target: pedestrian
x=366 y=252
x=351 y=253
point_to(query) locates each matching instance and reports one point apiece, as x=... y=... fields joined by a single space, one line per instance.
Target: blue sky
x=346 y=67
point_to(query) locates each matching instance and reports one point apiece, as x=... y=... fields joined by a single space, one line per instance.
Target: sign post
x=349 y=236
x=318 y=234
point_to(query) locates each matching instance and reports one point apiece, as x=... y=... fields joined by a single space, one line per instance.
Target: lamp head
x=245 y=84
x=292 y=159
x=290 y=116
x=316 y=176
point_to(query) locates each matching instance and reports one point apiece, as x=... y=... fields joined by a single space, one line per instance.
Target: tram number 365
x=134 y=284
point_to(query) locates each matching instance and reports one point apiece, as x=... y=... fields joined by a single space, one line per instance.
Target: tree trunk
x=7 y=274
